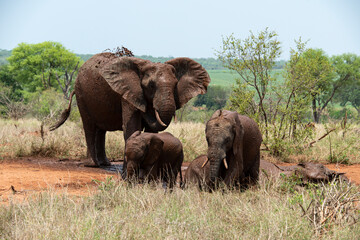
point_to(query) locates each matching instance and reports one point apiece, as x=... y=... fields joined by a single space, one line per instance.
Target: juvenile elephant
x=198 y=173
x=154 y=156
x=131 y=94
x=233 y=148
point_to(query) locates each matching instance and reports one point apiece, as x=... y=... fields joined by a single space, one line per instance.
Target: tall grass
x=339 y=146
x=23 y=138
x=273 y=210
x=146 y=212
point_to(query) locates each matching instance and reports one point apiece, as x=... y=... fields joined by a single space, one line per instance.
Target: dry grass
x=23 y=138
x=339 y=146
x=146 y=212
x=273 y=210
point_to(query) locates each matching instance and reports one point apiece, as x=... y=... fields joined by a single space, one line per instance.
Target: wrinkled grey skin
x=124 y=93
x=308 y=172
x=237 y=138
x=154 y=156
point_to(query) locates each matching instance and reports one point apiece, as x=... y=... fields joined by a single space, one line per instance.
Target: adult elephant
x=233 y=148
x=131 y=94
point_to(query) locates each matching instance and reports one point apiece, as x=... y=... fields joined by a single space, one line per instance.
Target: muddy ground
x=20 y=178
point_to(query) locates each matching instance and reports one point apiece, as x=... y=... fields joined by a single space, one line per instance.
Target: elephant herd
x=132 y=95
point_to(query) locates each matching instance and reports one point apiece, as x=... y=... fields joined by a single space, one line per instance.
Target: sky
x=182 y=28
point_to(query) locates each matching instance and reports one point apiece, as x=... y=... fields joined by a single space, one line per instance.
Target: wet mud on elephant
x=131 y=94
x=307 y=172
x=233 y=149
x=198 y=172
x=154 y=157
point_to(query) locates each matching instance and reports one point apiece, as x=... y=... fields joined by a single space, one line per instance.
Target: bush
x=47 y=104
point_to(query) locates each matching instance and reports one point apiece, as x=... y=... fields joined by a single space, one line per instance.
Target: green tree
x=277 y=104
x=253 y=59
x=316 y=67
x=7 y=80
x=43 y=66
x=347 y=71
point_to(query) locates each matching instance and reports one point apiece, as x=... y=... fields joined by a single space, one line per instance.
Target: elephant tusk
x=207 y=159
x=159 y=119
x=225 y=163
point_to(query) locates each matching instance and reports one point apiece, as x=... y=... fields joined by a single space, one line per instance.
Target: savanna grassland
x=23 y=137
x=272 y=210
x=307 y=109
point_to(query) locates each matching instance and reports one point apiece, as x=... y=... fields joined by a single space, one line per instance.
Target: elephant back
x=95 y=98
x=90 y=69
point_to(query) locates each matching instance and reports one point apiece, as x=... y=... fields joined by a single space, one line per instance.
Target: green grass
x=223 y=78
x=226 y=78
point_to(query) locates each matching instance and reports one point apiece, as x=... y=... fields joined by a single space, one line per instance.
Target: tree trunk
x=316 y=113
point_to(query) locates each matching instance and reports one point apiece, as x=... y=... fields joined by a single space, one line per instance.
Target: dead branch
x=68 y=79
x=120 y=52
x=313 y=142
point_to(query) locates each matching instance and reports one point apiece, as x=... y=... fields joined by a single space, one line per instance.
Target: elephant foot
x=101 y=162
x=105 y=162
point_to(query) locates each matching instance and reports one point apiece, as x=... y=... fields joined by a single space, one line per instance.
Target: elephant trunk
x=131 y=170
x=216 y=158
x=164 y=104
x=159 y=116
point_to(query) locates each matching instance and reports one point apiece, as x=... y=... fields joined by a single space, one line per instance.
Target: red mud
x=20 y=178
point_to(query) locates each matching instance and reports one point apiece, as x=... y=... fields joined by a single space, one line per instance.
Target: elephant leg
x=254 y=171
x=131 y=123
x=90 y=136
x=233 y=173
x=100 y=147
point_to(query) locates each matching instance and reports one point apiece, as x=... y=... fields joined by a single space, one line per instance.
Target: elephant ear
x=154 y=151
x=192 y=79
x=239 y=135
x=123 y=76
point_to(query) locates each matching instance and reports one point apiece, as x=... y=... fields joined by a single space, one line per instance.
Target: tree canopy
x=39 y=66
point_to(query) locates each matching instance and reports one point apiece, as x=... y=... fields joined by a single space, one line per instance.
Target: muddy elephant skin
x=131 y=94
x=307 y=172
x=233 y=148
x=198 y=173
x=154 y=156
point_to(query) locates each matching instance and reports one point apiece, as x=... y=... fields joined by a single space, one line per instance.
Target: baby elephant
x=154 y=156
x=198 y=172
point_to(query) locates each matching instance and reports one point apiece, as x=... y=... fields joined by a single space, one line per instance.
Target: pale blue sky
x=178 y=28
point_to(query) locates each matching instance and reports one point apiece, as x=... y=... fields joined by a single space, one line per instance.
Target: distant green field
x=226 y=78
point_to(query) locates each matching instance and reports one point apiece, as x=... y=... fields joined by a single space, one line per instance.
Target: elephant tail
x=64 y=115
x=182 y=182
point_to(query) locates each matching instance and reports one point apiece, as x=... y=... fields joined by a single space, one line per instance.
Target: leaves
x=35 y=66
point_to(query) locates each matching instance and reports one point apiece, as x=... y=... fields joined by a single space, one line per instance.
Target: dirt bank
x=19 y=178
